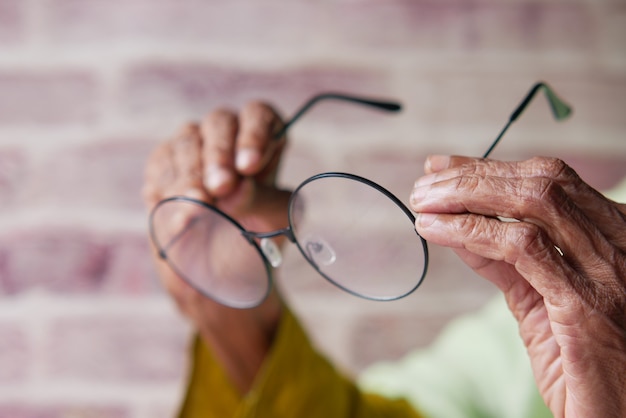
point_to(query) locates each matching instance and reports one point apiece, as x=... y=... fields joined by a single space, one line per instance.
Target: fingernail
x=216 y=177
x=425 y=219
x=247 y=158
x=436 y=163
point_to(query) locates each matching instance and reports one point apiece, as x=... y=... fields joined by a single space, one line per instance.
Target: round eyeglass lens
x=207 y=249
x=358 y=236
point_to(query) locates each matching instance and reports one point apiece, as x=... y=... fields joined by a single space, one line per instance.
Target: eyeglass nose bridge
x=270 y=250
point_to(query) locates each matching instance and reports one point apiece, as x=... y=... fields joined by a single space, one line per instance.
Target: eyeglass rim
x=289 y=232
x=389 y=195
x=162 y=254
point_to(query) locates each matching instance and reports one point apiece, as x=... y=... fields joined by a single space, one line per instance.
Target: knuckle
x=188 y=141
x=260 y=121
x=186 y=130
x=221 y=120
x=486 y=168
x=469 y=182
x=553 y=168
x=477 y=169
x=528 y=238
x=260 y=111
x=159 y=165
x=468 y=225
x=476 y=227
x=544 y=192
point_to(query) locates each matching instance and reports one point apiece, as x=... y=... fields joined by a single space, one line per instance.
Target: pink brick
x=14 y=353
x=191 y=90
x=62 y=410
x=47 y=97
x=486 y=101
x=75 y=261
x=614 y=30
x=63 y=260
x=449 y=100
x=366 y=23
x=106 y=174
x=244 y=22
x=457 y=25
x=597 y=100
x=131 y=270
x=159 y=410
x=138 y=349
x=12 y=21
x=13 y=171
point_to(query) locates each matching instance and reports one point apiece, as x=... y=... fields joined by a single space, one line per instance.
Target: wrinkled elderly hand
x=229 y=160
x=562 y=267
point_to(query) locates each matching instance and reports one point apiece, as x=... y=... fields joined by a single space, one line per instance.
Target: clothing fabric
x=295 y=381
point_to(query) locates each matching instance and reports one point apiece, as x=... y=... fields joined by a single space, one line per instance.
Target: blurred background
x=89 y=87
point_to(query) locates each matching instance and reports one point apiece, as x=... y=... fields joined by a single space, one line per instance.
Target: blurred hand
x=229 y=160
x=562 y=267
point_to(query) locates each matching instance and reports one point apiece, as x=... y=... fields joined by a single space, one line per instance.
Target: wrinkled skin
x=570 y=302
x=571 y=308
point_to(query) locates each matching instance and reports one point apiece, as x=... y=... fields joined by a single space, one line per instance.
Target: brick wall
x=88 y=87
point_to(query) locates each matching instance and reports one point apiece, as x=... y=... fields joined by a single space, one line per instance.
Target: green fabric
x=618 y=193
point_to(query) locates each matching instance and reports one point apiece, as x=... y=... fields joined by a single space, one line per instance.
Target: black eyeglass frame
x=560 y=111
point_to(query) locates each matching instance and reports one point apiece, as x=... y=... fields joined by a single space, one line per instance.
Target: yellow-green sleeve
x=295 y=381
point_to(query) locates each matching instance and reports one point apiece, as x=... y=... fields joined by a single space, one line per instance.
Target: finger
x=219 y=131
x=605 y=213
x=442 y=167
x=186 y=149
x=174 y=168
x=256 y=145
x=539 y=201
x=158 y=175
x=522 y=245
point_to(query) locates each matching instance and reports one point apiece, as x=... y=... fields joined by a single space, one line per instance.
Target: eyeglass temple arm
x=560 y=110
x=382 y=105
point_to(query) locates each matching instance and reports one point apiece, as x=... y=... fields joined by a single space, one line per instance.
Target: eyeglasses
x=205 y=246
